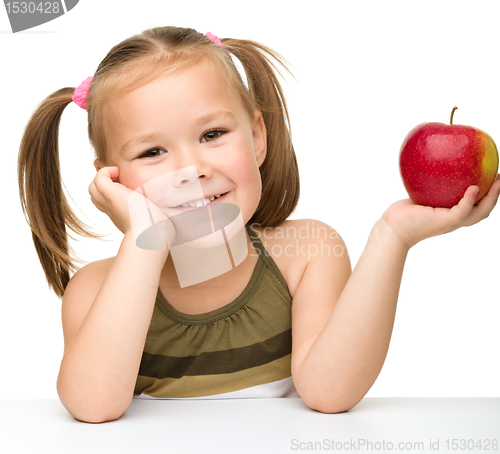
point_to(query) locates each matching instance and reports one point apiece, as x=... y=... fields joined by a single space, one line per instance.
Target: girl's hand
x=111 y=197
x=414 y=223
x=127 y=214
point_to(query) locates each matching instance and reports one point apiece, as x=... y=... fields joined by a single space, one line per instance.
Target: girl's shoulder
x=89 y=277
x=294 y=243
x=80 y=293
x=94 y=272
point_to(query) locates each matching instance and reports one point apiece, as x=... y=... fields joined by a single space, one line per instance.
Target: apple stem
x=452 y=112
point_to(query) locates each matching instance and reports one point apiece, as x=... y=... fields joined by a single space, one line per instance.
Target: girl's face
x=187 y=118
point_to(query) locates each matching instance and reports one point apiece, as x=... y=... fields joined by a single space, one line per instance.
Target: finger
x=112 y=172
x=96 y=197
x=459 y=212
x=93 y=190
x=483 y=209
x=492 y=194
x=104 y=178
x=98 y=205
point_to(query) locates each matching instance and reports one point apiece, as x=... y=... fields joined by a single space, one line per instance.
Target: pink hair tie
x=81 y=92
x=214 y=39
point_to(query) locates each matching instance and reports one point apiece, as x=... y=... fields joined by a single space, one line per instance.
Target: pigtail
x=40 y=188
x=279 y=171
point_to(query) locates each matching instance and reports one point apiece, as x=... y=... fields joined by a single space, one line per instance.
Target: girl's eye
x=152 y=153
x=212 y=135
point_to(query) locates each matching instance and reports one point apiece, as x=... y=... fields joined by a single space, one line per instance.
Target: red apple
x=438 y=162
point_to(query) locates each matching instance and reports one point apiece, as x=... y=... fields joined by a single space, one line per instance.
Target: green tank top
x=242 y=349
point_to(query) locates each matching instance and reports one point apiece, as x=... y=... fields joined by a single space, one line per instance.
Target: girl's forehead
x=188 y=97
x=193 y=87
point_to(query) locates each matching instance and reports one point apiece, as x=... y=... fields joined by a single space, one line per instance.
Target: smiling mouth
x=200 y=202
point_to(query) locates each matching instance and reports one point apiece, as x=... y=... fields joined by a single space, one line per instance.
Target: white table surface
x=256 y=426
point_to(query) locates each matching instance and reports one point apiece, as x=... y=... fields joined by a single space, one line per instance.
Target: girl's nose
x=185 y=175
x=191 y=170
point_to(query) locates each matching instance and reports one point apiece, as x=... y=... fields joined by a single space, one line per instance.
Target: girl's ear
x=259 y=137
x=98 y=164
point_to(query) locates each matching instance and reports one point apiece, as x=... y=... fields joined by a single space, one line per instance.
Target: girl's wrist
x=383 y=232
x=129 y=243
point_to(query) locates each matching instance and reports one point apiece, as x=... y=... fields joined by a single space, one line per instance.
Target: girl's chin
x=207 y=226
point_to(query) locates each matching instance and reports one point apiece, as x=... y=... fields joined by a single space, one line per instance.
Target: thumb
x=460 y=211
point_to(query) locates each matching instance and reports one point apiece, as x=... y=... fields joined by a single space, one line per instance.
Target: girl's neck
x=211 y=294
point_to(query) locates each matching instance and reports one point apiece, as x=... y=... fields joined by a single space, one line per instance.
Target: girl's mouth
x=201 y=202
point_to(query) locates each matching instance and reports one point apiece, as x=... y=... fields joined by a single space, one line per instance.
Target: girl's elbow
x=93 y=410
x=97 y=418
x=93 y=414
x=324 y=406
x=328 y=402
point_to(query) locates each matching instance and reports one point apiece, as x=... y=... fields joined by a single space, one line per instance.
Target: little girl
x=171 y=99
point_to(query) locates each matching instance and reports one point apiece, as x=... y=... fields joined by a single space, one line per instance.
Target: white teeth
x=201 y=202
x=198 y=203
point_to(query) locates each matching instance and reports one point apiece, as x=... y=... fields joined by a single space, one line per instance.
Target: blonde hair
x=129 y=65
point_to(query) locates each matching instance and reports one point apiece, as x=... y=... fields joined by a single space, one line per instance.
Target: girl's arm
x=107 y=309
x=103 y=347
x=335 y=363
x=341 y=336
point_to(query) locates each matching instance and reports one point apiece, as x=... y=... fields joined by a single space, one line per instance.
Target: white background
x=366 y=73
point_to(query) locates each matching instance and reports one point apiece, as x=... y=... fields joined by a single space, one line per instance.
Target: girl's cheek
x=133 y=177
x=131 y=182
